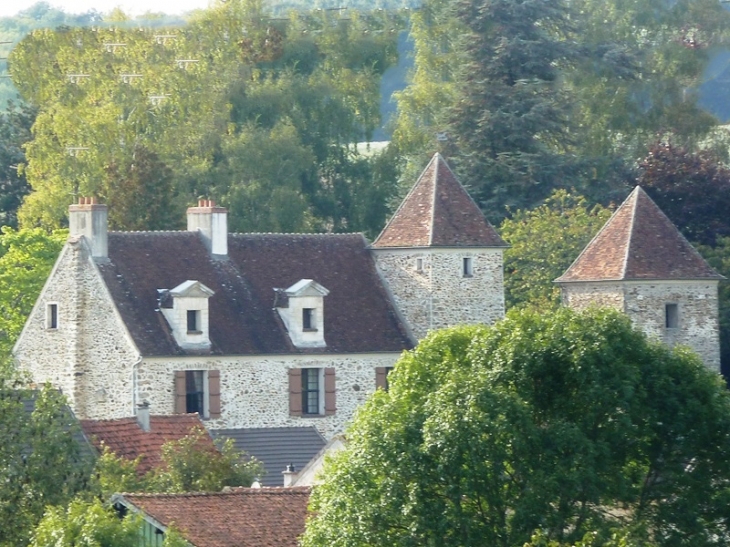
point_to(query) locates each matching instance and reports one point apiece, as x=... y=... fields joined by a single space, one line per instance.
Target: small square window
x=193 y=320
x=52 y=316
x=308 y=319
x=311 y=389
x=468 y=267
x=671 y=316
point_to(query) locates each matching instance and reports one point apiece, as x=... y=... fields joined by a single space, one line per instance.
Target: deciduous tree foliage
x=26 y=259
x=41 y=464
x=544 y=242
x=692 y=188
x=15 y=124
x=562 y=423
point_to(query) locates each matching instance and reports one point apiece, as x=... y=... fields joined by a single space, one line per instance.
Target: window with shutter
x=330 y=393
x=295 y=392
x=381 y=377
x=198 y=391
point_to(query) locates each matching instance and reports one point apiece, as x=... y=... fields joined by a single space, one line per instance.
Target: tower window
x=52 y=316
x=419 y=264
x=671 y=316
x=467 y=266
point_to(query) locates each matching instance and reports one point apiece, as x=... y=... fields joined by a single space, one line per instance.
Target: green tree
x=509 y=122
x=41 y=461
x=564 y=423
x=26 y=259
x=544 y=242
x=83 y=524
x=15 y=124
x=190 y=465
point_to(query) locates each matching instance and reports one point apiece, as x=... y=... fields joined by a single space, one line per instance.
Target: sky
x=130 y=7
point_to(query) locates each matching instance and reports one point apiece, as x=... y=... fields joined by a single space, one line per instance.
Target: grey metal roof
x=276 y=447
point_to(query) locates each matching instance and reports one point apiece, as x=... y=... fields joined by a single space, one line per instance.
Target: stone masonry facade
x=438 y=294
x=254 y=389
x=88 y=355
x=645 y=303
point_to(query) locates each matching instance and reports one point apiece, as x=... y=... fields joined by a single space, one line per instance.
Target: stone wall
x=580 y=296
x=698 y=314
x=89 y=355
x=645 y=304
x=255 y=389
x=438 y=295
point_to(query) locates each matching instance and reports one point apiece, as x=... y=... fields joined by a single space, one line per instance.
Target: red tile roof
x=438 y=212
x=358 y=314
x=242 y=517
x=126 y=438
x=638 y=242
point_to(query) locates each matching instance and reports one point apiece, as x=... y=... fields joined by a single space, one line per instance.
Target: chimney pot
x=212 y=223
x=88 y=218
x=143 y=416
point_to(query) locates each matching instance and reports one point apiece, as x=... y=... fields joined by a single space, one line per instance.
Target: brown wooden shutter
x=295 y=392
x=381 y=375
x=181 y=404
x=330 y=395
x=214 y=393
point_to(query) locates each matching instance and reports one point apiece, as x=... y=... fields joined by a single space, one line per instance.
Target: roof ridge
x=627 y=253
x=432 y=225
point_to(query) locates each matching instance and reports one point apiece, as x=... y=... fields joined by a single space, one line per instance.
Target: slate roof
x=241 y=517
x=128 y=440
x=276 y=447
x=638 y=242
x=438 y=212
x=358 y=315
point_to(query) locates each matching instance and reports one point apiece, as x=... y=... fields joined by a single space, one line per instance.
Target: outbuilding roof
x=128 y=440
x=241 y=517
x=438 y=212
x=358 y=314
x=638 y=242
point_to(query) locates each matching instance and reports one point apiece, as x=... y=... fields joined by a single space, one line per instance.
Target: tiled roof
x=276 y=447
x=242 y=517
x=358 y=315
x=438 y=212
x=126 y=438
x=638 y=242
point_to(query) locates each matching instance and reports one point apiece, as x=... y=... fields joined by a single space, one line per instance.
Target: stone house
x=640 y=264
x=258 y=332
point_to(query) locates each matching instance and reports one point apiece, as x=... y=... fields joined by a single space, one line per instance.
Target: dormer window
x=193 y=321
x=308 y=323
x=186 y=310
x=301 y=308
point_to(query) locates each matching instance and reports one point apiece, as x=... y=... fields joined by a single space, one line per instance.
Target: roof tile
x=128 y=440
x=438 y=212
x=638 y=242
x=241 y=517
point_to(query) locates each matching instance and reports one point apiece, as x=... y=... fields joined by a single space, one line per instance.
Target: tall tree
x=509 y=122
x=563 y=423
x=15 y=124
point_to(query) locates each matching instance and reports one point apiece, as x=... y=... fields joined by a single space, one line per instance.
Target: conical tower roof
x=438 y=212
x=638 y=242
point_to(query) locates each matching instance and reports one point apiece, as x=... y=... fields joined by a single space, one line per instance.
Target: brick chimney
x=212 y=222
x=88 y=218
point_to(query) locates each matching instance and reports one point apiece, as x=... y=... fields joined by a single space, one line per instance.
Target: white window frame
x=320 y=391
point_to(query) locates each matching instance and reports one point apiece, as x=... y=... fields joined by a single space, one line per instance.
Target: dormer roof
x=192 y=289
x=306 y=287
x=438 y=212
x=638 y=242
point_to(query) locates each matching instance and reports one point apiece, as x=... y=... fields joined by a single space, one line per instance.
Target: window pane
x=192 y=320
x=310 y=390
x=195 y=391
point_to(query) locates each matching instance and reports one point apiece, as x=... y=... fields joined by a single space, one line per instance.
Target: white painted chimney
x=212 y=222
x=143 y=416
x=89 y=219
x=290 y=475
